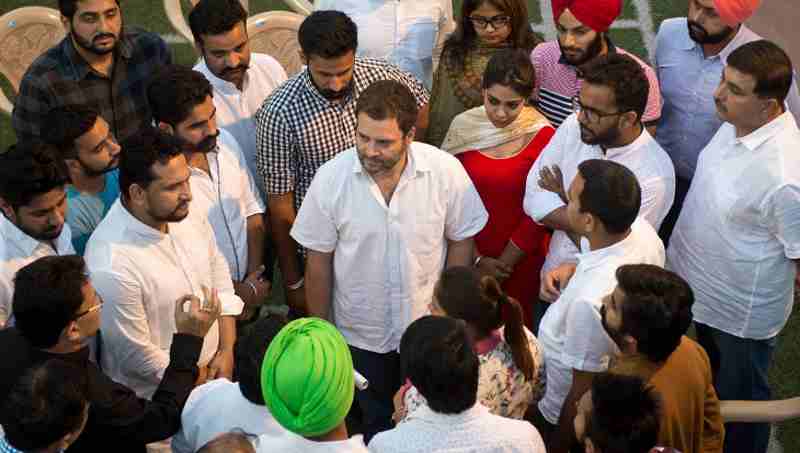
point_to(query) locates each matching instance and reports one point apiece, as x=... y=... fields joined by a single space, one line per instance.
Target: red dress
x=501 y=185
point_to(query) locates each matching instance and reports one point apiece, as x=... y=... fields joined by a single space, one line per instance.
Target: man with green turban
x=308 y=385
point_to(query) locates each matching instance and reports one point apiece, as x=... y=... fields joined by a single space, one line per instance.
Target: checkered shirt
x=61 y=76
x=558 y=84
x=298 y=129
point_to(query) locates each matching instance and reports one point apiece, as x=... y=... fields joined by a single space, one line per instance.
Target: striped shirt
x=558 y=84
x=298 y=129
x=61 y=77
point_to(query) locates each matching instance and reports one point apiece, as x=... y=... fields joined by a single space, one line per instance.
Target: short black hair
x=67 y=123
x=510 y=68
x=611 y=193
x=328 y=34
x=766 y=62
x=625 y=415
x=29 y=169
x=174 y=91
x=236 y=441
x=48 y=402
x=140 y=152
x=657 y=310
x=214 y=17
x=387 y=99
x=249 y=355
x=625 y=78
x=67 y=8
x=47 y=296
x=437 y=356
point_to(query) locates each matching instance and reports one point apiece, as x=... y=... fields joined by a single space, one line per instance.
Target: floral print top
x=501 y=385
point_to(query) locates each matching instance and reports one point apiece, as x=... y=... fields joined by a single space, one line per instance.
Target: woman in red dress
x=498 y=143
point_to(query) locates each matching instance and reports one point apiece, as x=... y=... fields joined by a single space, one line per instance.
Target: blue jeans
x=740 y=367
x=383 y=373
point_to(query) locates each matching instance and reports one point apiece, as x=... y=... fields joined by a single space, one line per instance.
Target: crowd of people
x=486 y=243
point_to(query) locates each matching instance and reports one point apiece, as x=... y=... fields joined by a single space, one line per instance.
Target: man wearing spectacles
x=57 y=313
x=608 y=126
x=91 y=153
x=582 y=28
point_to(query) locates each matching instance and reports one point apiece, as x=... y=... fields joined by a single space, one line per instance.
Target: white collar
x=22 y=240
x=223 y=86
x=641 y=141
x=758 y=137
x=594 y=258
x=425 y=413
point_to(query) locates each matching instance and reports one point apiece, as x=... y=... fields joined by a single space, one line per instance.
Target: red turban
x=596 y=14
x=734 y=12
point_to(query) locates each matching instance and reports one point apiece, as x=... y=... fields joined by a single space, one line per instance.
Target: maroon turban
x=596 y=14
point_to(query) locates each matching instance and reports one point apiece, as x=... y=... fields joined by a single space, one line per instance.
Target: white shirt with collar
x=140 y=272
x=201 y=418
x=571 y=333
x=17 y=250
x=474 y=430
x=292 y=443
x=387 y=257
x=227 y=196
x=236 y=109
x=408 y=33
x=644 y=157
x=740 y=228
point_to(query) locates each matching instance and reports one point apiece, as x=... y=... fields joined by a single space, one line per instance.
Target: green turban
x=307 y=377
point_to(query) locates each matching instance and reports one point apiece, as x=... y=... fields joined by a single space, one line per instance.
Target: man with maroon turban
x=582 y=27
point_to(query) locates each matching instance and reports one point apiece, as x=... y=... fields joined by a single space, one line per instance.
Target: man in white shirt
x=241 y=79
x=380 y=221
x=409 y=34
x=146 y=254
x=33 y=200
x=440 y=362
x=604 y=202
x=737 y=240
x=242 y=402
x=609 y=126
x=223 y=190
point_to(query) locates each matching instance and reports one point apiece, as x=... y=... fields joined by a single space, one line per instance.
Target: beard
x=90 y=45
x=616 y=335
x=176 y=215
x=332 y=95
x=204 y=146
x=701 y=36
x=93 y=172
x=608 y=137
x=49 y=234
x=375 y=166
x=592 y=51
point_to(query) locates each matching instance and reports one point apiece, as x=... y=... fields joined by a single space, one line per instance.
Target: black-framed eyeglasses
x=496 y=21
x=593 y=115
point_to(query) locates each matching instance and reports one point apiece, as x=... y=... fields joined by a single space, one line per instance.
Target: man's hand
x=493 y=267
x=551 y=180
x=556 y=280
x=296 y=299
x=399 y=403
x=221 y=366
x=200 y=316
x=253 y=291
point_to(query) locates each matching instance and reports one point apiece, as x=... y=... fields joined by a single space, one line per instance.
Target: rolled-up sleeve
x=538 y=203
x=466 y=215
x=314 y=228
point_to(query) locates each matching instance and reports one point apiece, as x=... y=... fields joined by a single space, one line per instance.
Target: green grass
x=783 y=374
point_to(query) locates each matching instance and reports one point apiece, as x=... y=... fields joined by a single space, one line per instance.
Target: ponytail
x=515 y=334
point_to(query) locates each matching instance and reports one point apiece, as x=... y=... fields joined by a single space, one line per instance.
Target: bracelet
x=252 y=287
x=297 y=285
x=477 y=260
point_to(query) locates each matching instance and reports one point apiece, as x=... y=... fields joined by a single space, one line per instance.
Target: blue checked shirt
x=61 y=76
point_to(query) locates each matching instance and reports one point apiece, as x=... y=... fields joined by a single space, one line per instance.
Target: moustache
x=238 y=69
x=104 y=35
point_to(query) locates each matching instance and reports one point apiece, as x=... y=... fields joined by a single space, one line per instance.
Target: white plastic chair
x=303 y=7
x=25 y=33
x=275 y=33
x=178 y=20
